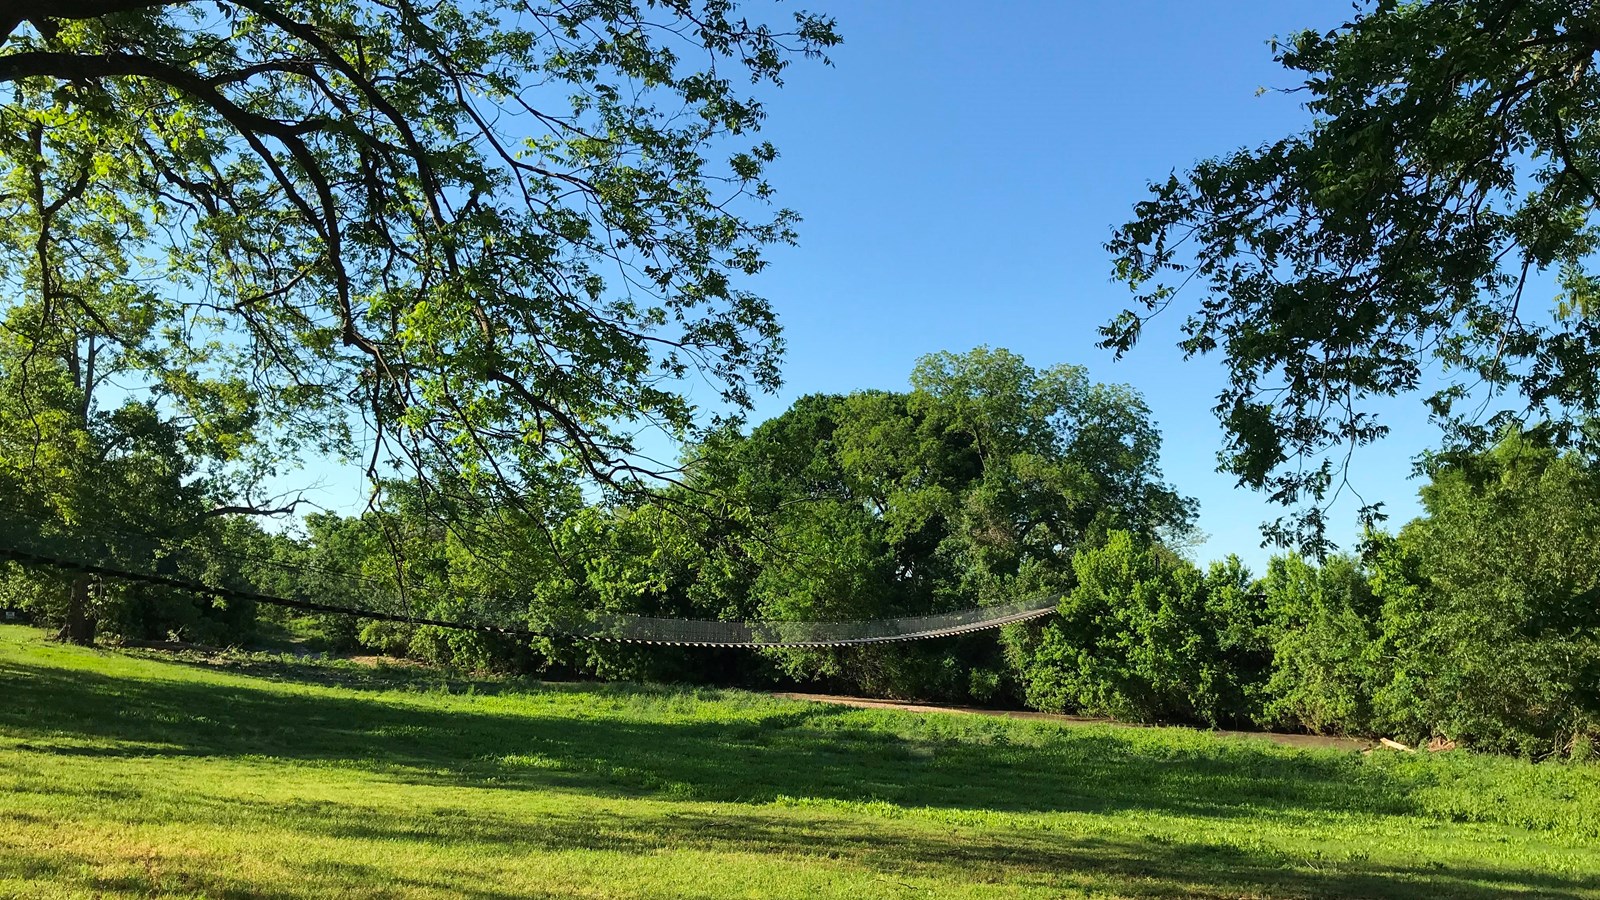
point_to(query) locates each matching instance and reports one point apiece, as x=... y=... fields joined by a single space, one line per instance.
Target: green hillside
x=130 y=776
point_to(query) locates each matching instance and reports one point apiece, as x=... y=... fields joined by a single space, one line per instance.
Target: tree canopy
x=1452 y=162
x=499 y=234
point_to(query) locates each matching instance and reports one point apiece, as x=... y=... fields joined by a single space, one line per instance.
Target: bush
x=1145 y=636
x=1489 y=604
x=1478 y=623
x=388 y=638
x=1323 y=632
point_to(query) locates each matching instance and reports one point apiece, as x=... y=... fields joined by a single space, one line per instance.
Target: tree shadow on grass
x=1151 y=866
x=795 y=752
x=93 y=875
x=781 y=753
x=331 y=671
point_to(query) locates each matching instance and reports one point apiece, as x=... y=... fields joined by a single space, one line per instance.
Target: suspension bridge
x=174 y=566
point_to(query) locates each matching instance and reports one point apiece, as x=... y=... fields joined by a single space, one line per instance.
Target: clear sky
x=961 y=166
x=959 y=169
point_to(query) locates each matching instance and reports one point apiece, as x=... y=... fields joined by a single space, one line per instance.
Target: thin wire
x=599 y=626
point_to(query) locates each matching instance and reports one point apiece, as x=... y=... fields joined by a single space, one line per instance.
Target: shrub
x=1140 y=639
x=1489 y=604
x=1323 y=632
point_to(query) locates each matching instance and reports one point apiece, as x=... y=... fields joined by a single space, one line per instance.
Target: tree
x=100 y=481
x=1063 y=459
x=495 y=232
x=679 y=556
x=1146 y=636
x=118 y=420
x=1477 y=623
x=1327 y=656
x=1453 y=158
x=1491 y=616
x=975 y=487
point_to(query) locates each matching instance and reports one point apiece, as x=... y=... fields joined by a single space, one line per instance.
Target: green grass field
x=130 y=776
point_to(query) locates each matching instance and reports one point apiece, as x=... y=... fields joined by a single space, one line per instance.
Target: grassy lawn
x=129 y=776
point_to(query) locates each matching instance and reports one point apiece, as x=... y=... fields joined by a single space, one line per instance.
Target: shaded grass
x=127 y=776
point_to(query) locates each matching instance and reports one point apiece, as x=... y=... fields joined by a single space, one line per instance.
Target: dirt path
x=1288 y=740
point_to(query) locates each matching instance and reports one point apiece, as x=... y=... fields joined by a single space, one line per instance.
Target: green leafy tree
x=1059 y=459
x=1490 y=603
x=1327 y=659
x=1453 y=158
x=678 y=557
x=116 y=419
x=419 y=562
x=1478 y=623
x=1240 y=627
x=1146 y=636
x=91 y=476
x=974 y=487
x=494 y=232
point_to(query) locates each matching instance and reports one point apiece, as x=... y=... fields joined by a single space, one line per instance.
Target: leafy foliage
x=1146 y=636
x=1476 y=624
x=1453 y=157
x=1326 y=645
x=978 y=484
x=1499 y=643
x=974 y=487
x=493 y=232
x=81 y=478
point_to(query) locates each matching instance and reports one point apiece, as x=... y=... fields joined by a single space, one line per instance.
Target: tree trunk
x=80 y=623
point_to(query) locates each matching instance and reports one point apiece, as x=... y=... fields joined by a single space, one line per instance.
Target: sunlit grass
x=127 y=776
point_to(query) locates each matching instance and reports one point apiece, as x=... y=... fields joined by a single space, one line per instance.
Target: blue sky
x=959 y=169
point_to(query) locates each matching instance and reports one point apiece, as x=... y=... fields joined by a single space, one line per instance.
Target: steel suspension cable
x=171 y=572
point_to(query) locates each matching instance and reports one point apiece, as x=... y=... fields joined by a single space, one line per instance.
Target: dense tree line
x=988 y=481
x=1477 y=623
